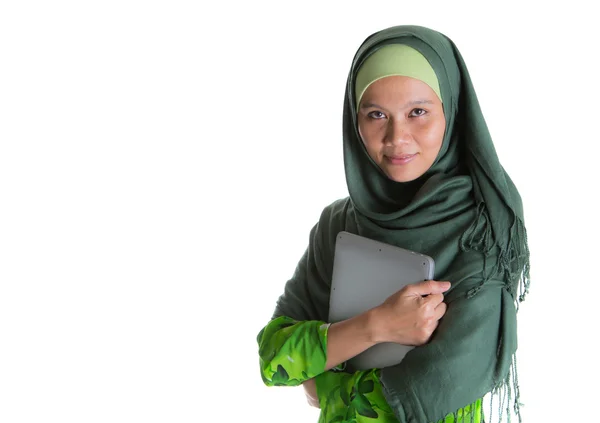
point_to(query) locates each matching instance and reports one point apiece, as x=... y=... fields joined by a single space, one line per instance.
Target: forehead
x=399 y=87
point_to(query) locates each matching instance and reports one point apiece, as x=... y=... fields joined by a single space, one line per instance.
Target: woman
x=422 y=174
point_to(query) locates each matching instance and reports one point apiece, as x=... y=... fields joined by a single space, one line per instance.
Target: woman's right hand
x=410 y=316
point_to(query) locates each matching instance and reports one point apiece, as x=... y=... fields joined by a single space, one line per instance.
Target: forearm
x=348 y=338
x=345 y=340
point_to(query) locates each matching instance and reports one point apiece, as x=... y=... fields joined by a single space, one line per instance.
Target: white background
x=161 y=164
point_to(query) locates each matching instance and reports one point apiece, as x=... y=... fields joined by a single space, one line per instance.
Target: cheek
x=370 y=138
x=432 y=139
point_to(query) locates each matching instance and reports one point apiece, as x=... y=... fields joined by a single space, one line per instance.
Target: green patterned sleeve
x=352 y=397
x=358 y=398
x=291 y=352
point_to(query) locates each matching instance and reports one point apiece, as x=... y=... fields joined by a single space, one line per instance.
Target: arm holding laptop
x=408 y=317
x=298 y=344
x=293 y=352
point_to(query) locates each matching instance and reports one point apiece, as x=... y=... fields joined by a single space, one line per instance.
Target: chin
x=401 y=176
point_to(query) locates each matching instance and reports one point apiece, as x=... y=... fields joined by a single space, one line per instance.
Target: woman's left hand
x=310 y=389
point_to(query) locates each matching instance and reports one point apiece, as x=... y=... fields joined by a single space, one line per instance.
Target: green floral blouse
x=292 y=352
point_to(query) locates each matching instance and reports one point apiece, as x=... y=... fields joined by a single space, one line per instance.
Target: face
x=401 y=122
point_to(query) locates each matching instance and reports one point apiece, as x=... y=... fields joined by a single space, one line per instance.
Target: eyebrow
x=368 y=105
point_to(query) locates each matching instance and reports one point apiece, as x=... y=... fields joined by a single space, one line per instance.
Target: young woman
x=422 y=174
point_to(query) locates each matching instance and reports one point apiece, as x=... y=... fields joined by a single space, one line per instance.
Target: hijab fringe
x=513 y=258
x=513 y=267
x=505 y=394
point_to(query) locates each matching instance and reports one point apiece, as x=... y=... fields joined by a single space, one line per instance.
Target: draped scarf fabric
x=465 y=212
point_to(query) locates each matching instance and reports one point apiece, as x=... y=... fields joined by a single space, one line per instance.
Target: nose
x=397 y=132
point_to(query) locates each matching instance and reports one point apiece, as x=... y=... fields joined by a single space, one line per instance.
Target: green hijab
x=465 y=212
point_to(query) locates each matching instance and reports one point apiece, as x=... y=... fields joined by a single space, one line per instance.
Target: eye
x=418 y=112
x=376 y=115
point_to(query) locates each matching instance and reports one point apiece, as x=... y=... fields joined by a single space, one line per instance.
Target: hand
x=310 y=389
x=410 y=316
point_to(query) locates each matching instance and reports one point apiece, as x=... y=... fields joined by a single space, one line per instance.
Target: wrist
x=372 y=326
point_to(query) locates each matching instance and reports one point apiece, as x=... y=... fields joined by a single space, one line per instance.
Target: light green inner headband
x=395 y=60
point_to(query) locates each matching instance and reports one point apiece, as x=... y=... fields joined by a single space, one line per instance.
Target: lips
x=402 y=156
x=401 y=159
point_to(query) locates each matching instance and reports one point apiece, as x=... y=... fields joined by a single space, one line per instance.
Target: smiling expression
x=401 y=122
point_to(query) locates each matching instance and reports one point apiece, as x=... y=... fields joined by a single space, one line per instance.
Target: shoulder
x=334 y=218
x=335 y=215
x=338 y=208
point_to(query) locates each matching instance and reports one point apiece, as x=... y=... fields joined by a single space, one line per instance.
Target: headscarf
x=394 y=60
x=465 y=212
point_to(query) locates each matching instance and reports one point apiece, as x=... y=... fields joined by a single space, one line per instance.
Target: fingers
x=434 y=299
x=436 y=306
x=440 y=310
x=434 y=321
x=310 y=388
x=429 y=287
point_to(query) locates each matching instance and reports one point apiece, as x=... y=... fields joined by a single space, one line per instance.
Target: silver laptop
x=365 y=274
